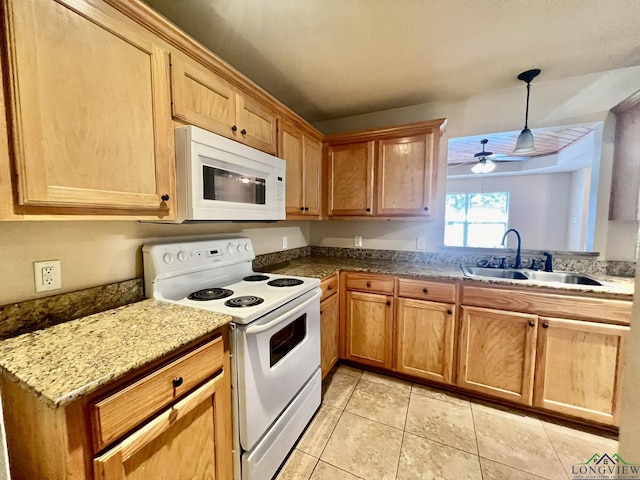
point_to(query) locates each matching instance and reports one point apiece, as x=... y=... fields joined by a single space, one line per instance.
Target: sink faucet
x=518 y=261
x=548 y=262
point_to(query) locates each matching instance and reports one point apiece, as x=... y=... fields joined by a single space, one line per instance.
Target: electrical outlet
x=357 y=242
x=421 y=243
x=47 y=275
x=285 y=242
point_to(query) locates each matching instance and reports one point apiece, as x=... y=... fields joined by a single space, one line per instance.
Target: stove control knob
x=231 y=249
x=247 y=247
x=168 y=258
x=182 y=256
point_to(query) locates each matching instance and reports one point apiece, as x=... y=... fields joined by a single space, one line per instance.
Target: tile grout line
x=555 y=450
x=475 y=432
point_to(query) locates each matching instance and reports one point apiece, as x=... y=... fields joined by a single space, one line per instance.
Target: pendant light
x=524 y=144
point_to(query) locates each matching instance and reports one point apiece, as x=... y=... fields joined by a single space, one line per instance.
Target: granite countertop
x=320 y=267
x=63 y=362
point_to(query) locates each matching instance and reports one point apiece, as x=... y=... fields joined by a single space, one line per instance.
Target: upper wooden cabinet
x=390 y=172
x=202 y=98
x=406 y=176
x=89 y=101
x=303 y=155
x=350 y=179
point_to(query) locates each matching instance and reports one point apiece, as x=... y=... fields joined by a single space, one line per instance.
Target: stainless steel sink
x=525 y=274
x=562 y=277
x=509 y=273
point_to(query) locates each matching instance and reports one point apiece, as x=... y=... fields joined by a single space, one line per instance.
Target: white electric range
x=274 y=340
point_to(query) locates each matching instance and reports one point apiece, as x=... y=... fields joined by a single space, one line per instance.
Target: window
x=477 y=219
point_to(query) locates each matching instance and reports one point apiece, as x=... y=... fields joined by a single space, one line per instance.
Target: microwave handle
x=281 y=319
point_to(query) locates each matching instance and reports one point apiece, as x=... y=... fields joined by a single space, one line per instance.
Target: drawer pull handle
x=424 y=290
x=368 y=284
x=545 y=325
x=177 y=382
x=532 y=323
x=330 y=287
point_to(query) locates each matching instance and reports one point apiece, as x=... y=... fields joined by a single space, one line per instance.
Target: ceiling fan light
x=524 y=144
x=483 y=166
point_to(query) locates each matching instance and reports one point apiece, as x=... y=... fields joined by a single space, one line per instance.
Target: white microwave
x=219 y=179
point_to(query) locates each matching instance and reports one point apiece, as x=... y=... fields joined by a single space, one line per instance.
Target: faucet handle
x=548 y=263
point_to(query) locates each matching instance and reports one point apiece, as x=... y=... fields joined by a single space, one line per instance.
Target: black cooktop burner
x=246 y=301
x=255 y=278
x=210 y=294
x=285 y=282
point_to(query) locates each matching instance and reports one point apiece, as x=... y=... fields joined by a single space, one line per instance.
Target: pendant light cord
x=526 y=114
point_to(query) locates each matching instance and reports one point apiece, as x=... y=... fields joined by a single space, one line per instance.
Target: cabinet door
x=90 y=101
x=257 y=122
x=329 y=332
x=202 y=98
x=369 y=328
x=312 y=173
x=290 y=150
x=406 y=176
x=579 y=368
x=497 y=353
x=192 y=439
x=424 y=339
x=351 y=179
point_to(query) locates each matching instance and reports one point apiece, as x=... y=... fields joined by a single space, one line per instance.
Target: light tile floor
x=375 y=427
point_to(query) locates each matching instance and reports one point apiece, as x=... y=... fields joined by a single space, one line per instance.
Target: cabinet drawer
x=329 y=286
x=120 y=412
x=370 y=283
x=426 y=290
x=583 y=308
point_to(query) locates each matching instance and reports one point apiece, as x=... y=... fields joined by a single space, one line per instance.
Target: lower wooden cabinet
x=580 y=368
x=173 y=420
x=369 y=328
x=497 y=353
x=329 y=333
x=191 y=440
x=424 y=344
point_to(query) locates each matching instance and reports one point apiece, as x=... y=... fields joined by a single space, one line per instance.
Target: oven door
x=274 y=358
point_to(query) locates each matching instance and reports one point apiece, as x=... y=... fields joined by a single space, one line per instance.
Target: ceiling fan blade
x=501 y=157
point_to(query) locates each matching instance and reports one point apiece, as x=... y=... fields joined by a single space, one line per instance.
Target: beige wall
x=575 y=100
x=97 y=253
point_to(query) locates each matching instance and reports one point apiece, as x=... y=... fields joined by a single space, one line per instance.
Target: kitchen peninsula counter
x=66 y=361
x=620 y=288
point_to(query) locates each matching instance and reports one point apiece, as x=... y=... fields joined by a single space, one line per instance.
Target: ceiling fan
x=483 y=162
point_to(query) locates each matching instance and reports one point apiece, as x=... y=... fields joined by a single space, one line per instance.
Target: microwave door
x=228 y=186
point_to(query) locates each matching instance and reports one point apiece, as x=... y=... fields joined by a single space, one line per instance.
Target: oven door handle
x=291 y=313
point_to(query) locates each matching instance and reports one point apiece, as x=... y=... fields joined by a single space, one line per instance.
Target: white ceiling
x=329 y=59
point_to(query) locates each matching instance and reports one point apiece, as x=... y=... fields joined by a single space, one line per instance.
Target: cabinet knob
x=243 y=131
x=320 y=312
x=545 y=325
x=388 y=303
x=532 y=323
x=234 y=128
x=425 y=290
x=368 y=209
x=177 y=382
x=330 y=287
x=302 y=209
x=426 y=209
x=368 y=284
x=306 y=209
x=449 y=312
x=165 y=197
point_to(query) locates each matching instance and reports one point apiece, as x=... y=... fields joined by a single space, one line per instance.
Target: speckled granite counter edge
x=68 y=360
